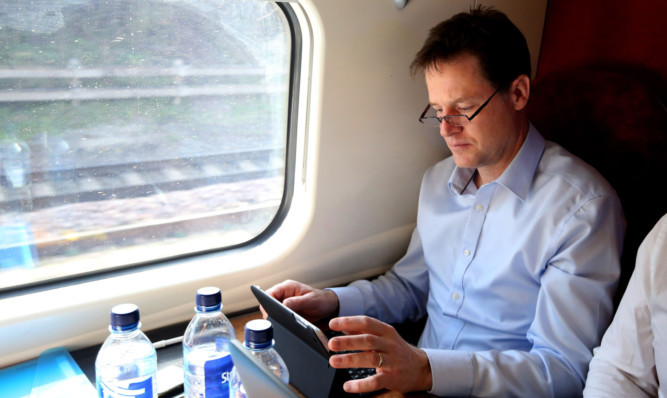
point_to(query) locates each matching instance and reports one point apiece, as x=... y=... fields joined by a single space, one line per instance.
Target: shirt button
x=466 y=252
x=456 y=296
x=479 y=207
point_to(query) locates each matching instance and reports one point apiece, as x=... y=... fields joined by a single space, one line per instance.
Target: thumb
x=294 y=303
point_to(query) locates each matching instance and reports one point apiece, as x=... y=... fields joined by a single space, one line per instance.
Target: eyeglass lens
x=431 y=119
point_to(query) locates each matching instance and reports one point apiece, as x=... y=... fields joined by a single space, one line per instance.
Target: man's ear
x=520 y=92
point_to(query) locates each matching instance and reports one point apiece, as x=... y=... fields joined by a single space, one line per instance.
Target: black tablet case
x=304 y=354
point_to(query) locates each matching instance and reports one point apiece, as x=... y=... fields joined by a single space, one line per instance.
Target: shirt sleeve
x=624 y=364
x=398 y=295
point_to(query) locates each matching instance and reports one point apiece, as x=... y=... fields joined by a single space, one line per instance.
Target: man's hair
x=485 y=33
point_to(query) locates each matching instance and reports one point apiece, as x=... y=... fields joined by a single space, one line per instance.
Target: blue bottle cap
x=124 y=317
x=258 y=334
x=208 y=299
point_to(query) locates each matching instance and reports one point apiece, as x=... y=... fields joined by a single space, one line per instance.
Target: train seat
x=615 y=120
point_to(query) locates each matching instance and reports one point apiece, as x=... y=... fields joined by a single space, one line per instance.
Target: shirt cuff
x=452 y=372
x=350 y=301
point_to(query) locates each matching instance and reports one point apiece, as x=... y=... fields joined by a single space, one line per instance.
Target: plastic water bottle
x=258 y=338
x=207 y=363
x=126 y=365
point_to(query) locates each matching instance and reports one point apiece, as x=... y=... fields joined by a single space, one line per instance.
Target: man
x=632 y=360
x=515 y=257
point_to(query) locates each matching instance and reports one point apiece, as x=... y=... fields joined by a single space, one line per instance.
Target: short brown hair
x=483 y=32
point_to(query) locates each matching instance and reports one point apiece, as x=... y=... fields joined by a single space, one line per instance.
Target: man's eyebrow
x=454 y=102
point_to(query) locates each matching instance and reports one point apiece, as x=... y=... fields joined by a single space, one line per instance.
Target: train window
x=133 y=131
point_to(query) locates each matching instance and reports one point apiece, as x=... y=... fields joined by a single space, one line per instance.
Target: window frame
x=75 y=314
x=296 y=62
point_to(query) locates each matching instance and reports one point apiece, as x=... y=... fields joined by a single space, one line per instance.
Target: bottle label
x=216 y=377
x=141 y=387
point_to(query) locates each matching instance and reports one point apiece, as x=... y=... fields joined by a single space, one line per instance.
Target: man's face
x=491 y=140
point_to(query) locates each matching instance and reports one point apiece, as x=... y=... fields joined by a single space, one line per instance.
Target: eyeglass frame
x=446 y=117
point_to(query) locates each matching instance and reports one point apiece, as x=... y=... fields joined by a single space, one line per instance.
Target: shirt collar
x=460 y=179
x=517 y=177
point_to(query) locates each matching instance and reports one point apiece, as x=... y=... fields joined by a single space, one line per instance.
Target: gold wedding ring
x=379 y=360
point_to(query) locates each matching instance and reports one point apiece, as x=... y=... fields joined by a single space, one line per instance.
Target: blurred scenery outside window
x=137 y=130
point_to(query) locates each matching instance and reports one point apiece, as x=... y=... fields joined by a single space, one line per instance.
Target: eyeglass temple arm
x=424 y=113
x=482 y=107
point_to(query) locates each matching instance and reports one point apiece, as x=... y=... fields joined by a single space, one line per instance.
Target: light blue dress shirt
x=517 y=277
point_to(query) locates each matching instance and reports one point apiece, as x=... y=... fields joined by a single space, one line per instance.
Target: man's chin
x=463 y=163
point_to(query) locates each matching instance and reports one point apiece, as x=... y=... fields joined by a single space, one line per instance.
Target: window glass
x=137 y=130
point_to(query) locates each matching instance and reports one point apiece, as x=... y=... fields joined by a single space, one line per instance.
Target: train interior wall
x=361 y=154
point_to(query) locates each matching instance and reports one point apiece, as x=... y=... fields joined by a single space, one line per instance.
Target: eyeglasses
x=454 y=120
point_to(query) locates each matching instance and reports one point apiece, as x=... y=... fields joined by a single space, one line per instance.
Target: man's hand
x=312 y=304
x=404 y=368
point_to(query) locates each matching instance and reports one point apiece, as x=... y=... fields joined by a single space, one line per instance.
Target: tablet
x=258 y=381
x=305 y=350
x=296 y=324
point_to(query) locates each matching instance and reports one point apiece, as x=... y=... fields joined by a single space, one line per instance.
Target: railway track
x=50 y=188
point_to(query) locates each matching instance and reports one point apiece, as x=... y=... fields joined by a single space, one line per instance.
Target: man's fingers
x=357 y=342
x=364 y=359
x=286 y=289
x=358 y=325
x=264 y=314
x=371 y=383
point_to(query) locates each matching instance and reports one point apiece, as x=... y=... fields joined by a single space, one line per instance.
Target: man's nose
x=447 y=129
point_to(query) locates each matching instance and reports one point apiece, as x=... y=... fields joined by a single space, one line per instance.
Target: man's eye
x=465 y=108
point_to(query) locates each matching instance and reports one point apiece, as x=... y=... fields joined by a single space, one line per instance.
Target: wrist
x=426 y=379
x=334 y=303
